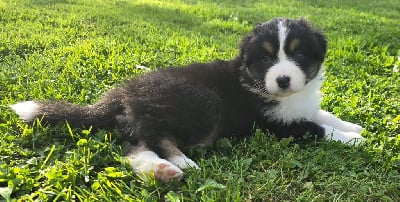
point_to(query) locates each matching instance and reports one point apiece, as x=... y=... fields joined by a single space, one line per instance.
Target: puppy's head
x=280 y=57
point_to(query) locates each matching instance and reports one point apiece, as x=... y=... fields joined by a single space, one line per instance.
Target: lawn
x=75 y=50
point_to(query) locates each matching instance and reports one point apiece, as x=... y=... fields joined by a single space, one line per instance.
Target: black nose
x=283 y=82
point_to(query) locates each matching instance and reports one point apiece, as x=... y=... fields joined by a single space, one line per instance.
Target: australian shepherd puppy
x=273 y=84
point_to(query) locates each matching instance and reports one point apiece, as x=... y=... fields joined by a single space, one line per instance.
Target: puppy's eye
x=298 y=56
x=266 y=59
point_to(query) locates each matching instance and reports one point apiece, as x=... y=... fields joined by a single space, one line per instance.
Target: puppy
x=273 y=83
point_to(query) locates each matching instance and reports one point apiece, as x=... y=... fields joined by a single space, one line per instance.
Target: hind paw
x=166 y=171
x=183 y=162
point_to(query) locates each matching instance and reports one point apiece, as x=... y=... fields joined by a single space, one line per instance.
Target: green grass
x=76 y=50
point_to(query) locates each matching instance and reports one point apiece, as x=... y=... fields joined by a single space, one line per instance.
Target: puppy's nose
x=283 y=82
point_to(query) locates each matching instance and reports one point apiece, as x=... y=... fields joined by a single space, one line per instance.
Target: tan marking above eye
x=294 y=45
x=268 y=46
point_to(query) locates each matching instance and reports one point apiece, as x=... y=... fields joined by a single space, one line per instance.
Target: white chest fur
x=304 y=104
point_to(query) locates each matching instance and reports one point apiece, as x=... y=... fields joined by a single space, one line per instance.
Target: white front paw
x=344 y=137
x=347 y=137
x=351 y=127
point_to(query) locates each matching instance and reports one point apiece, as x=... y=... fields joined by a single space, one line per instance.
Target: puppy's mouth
x=283 y=93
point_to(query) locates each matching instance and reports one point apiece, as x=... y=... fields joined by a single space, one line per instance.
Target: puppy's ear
x=322 y=45
x=319 y=37
x=258 y=25
x=244 y=44
x=244 y=47
x=257 y=29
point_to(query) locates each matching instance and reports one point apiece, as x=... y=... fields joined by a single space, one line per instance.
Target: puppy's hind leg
x=173 y=154
x=145 y=162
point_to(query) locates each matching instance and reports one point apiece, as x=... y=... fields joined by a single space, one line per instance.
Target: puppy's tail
x=100 y=115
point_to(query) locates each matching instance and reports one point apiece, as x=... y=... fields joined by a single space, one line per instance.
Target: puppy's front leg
x=326 y=118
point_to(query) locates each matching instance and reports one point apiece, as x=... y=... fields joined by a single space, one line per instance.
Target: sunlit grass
x=76 y=50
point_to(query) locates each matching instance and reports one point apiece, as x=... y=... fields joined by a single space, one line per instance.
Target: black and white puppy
x=274 y=84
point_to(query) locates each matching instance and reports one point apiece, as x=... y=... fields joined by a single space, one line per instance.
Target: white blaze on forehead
x=282 y=33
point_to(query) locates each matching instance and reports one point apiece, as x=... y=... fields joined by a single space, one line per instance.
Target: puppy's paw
x=166 y=171
x=342 y=136
x=351 y=127
x=183 y=162
x=356 y=141
x=346 y=137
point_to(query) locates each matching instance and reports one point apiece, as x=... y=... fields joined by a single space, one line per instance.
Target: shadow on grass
x=389 y=9
x=119 y=13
